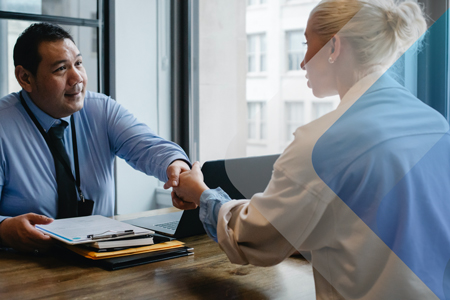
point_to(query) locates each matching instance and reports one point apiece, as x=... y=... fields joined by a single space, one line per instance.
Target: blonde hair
x=379 y=31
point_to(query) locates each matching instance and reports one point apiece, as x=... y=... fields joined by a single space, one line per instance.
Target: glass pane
x=290 y=114
x=321 y=109
x=263 y=62
x=294 y=61
x=85 y=38
x=294 y=112
x=263 y=133
x=295 y=40
x=294 y=118
x=252 y=63
x=291 y=128
x=22 y=6
x=85 y=9
x=297 y=115
x=263 y=43
x=263 y=115
x=251 y=44
x=226 y=49
x=9 y=32
x=251 y=131
x=252 y=111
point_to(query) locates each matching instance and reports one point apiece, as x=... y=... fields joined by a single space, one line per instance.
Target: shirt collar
x=44 y=119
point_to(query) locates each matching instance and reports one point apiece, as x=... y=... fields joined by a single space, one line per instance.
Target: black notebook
x=123 y=262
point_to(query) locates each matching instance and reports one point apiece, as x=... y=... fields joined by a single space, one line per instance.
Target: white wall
x=222 y=71
x=136 y=89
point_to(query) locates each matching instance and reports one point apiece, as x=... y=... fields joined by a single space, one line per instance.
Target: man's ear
x=336 y=46
x=25 y=78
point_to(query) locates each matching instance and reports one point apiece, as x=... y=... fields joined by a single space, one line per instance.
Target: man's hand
x=191 y=186
x=173 y=173
x=19 y=233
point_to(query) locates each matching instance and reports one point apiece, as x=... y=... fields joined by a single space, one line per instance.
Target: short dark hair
x=26 y=52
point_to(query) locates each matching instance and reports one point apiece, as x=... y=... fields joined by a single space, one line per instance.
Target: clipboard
x=81 y=230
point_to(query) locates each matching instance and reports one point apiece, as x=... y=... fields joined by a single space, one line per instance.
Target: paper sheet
x=74 y=231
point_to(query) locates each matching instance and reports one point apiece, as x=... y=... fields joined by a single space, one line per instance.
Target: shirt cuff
x=210 y=203
x=183 y=159
x=162 y=176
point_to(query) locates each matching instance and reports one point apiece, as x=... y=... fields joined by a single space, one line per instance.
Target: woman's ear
x=24 y=78
x=336 y=46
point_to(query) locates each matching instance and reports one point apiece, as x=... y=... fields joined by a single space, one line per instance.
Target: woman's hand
x=190 y=187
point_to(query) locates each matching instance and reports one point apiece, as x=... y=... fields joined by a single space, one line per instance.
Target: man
x=58 y=142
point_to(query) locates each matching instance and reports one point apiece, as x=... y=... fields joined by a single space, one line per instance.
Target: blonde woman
x=363 y=188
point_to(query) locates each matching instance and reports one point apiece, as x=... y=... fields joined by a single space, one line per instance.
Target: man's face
x=59 y=86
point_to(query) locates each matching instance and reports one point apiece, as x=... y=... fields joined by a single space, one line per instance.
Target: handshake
x=188 y=188
x=20 y=233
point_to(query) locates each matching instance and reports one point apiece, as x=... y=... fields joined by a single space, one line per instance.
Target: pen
x=110 y=235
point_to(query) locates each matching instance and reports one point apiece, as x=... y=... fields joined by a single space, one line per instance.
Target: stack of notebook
x=113 y=244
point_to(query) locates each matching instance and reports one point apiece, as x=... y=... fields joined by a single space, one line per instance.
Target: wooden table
x=205 y=275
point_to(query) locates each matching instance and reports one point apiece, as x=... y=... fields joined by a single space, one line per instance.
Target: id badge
x=85 y=207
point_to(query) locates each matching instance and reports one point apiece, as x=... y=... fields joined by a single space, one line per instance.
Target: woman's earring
x=330 y=60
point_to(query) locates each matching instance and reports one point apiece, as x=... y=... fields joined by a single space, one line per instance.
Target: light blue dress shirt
x=210 y=203
x=104 y=129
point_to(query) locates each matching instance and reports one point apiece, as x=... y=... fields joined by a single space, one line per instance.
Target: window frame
x=259 y=121
x=292 y=123
x=258 y=2
x=102 y=24
x=288 y=52
x=433 y=59
x=258 y=53
x=427 y=87
x=318 y=103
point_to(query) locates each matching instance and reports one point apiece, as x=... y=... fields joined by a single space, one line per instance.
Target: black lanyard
x=58 y=155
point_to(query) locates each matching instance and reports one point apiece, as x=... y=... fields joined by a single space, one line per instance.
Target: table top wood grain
x=207 y=274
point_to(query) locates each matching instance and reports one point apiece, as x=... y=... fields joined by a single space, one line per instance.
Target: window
x=257 y=126
x=321 y=108
x=85 y=9
x=256 y=53
x=83 y=26
x=295 y=49
x=228 y=54
x=242 y=58
x=146 y=94
x=434 y=59
x=255 y=2
x=294 y=112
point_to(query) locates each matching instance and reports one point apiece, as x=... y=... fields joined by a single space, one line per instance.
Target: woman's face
x=319 y=72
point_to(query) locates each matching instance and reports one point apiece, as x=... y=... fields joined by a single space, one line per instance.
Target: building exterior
x=278 y=99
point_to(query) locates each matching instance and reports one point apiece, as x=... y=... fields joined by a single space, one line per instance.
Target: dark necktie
x=67 y=195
